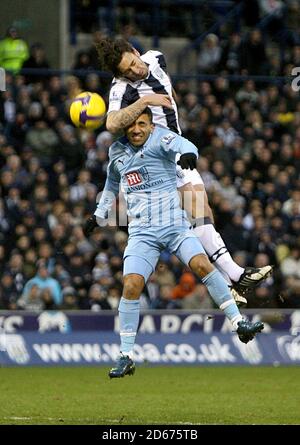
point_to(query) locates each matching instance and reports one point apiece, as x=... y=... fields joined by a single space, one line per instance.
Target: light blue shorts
x=144 y=247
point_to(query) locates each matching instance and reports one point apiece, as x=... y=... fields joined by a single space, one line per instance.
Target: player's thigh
x=140 y=257
x=186 y=247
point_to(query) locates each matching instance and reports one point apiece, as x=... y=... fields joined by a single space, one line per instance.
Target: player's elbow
x=112 y=126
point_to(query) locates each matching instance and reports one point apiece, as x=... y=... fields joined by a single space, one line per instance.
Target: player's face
x=138 y=132
x=132 y=67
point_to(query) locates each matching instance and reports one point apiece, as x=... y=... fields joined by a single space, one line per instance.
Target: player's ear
x=135 y=51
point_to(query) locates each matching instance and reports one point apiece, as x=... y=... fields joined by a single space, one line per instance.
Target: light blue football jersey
x=147 y=176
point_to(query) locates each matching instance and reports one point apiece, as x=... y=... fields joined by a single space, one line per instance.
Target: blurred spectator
x=113 y=296
x=70 y=150
x=69 y=299
x=80 y=189
x=186 y=285
x=8 y=292
x=97 y=298
x=274 y=13
x=231 y=54
x=291 y=207
x=15 y=268
x=32 y=293
x=165 y=299
x=128 y=32
x=199 y=298
x=36 y=60
x=43 y=141
x=210 y=54
x=13 y=51
x=163 y=275
x=253 y=54
x=31 y=299
x=93 y=54
x=290 y=266
x=83 y=61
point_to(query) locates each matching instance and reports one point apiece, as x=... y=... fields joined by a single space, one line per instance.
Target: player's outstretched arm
x=174 y=143
x=107 y=199
x=118 y=120
x=188 y=160
x=89 y=226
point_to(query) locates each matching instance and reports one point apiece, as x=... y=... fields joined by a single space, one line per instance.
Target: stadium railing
x=200 y=77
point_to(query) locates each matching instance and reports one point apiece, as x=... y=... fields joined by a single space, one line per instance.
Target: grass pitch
x=161 y=395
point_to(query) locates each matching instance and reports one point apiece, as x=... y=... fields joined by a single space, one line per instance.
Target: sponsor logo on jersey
x=116 y=96
x=137 y=177
x=133 y=178
x=144 y=173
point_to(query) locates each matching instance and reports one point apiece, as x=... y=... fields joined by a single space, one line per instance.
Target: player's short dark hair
x=149 y=113
x=110 y=53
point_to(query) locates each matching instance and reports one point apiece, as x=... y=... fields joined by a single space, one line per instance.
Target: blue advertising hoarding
x=56 y=338
x=165 y=322
x=102 y=348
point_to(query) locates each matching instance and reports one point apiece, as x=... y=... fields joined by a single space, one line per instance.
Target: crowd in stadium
x=248 y=135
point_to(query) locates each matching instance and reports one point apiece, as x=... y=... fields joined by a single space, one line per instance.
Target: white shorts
x=184 y=176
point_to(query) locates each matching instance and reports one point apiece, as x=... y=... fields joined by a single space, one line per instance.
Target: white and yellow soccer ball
x=88 y=110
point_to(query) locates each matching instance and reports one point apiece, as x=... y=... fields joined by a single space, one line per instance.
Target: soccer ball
x=88 y=110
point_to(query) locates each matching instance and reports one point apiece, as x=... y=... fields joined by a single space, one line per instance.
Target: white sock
x=129 y=353
x=235 y=321
x=213 y=244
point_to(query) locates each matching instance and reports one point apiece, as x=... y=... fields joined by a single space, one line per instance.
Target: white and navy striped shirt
x=124 y=92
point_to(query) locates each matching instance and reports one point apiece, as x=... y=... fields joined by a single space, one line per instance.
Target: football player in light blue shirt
x=143 y=163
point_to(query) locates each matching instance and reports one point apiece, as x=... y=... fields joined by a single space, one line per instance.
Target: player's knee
x=133 y=286
x=201 y=265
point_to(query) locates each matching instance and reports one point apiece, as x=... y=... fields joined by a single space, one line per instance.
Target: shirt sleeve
x=109 y=193
x=173 y=143
x=161 y=61
x=116 y=97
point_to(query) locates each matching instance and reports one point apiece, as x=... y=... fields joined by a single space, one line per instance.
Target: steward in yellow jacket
x=13 y=51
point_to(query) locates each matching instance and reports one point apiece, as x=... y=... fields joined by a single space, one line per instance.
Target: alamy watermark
x=296 y=81
x=151 y=208
x=3 y=340
x=2 y=79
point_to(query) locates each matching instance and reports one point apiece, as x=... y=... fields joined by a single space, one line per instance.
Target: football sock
x=218 y=289
x=217 y=252
x=129 y=314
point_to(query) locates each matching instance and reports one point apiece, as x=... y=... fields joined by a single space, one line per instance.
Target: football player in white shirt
x=142 y=81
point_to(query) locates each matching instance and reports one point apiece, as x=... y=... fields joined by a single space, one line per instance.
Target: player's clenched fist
x=89 y=225
x=158 y=100
x=188 y=160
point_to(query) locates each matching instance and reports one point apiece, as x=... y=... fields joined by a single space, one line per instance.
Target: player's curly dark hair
x=110 y=53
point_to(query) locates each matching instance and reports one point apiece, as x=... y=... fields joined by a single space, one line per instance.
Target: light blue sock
x=129 y=314
x=218 y=289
